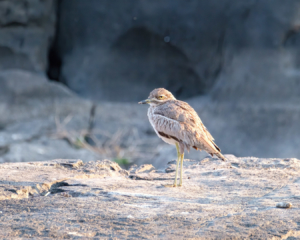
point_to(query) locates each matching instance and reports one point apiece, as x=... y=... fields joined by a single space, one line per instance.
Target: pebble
x=283 y=205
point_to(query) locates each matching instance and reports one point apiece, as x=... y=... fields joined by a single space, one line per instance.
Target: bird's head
x=158 y=96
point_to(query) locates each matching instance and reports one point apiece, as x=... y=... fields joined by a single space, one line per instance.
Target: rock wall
x=42 y=120
x=32 y=111
x=242 y=57
x=27 y=29
x=123 y=49
x=119 y=50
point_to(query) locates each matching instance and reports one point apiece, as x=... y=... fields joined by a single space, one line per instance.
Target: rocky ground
x=70 y=199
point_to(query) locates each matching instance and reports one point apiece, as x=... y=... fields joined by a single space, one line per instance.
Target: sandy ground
x=70 y=199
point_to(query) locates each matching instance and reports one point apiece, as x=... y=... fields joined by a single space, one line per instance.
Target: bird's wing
x=170 y=128
x=179 y=111
x=180 y=120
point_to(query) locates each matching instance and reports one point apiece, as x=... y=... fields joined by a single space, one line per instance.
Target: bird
x=177 y=123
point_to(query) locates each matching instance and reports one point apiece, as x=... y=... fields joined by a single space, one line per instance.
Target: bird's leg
x=181 y=169
x=177 y=165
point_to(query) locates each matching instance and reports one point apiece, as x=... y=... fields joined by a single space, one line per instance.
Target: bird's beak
x=145 y=101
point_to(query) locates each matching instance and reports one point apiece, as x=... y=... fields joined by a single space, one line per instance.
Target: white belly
x=168 y=140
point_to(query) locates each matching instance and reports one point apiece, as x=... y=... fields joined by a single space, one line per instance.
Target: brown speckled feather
x=192 y=131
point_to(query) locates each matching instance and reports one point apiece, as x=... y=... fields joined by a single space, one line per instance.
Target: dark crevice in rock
x=30 y=23
x=55 y=188
x=54 y=58
x=14 y=25
x=72 y=164
x=78 y=185
x=54 y=64
x=12 y=190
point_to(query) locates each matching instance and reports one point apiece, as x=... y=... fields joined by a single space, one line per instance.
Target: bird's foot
x=172 y=185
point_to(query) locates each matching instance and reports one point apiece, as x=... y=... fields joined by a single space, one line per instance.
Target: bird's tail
x=219 y=155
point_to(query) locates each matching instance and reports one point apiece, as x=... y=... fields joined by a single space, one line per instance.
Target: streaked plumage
x=175 y=121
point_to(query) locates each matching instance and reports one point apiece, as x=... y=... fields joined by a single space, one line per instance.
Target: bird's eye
x=160 y=97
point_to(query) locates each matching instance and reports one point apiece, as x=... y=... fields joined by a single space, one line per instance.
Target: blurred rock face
x=121 y=50
x=242 y=55
x=26 y=30
x=261 y=55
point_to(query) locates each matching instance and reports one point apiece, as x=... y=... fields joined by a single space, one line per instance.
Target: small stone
x=170 y=169
x=124 y=172
x=78 y=164
x=283 y=205
x=145 y=168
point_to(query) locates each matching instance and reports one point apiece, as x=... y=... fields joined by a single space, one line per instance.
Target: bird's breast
x=151 y=118
x=159 y=123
